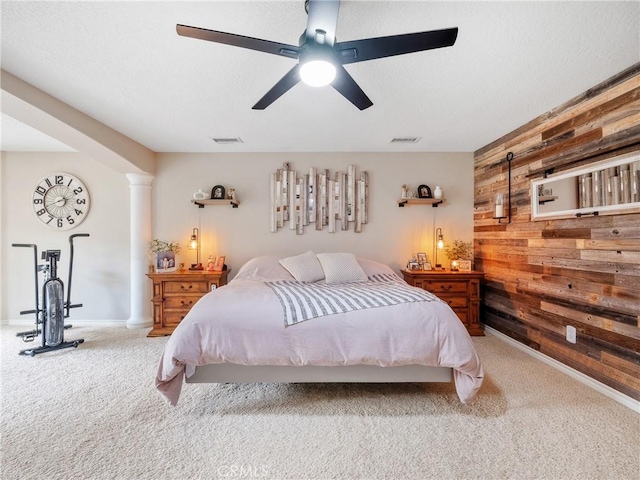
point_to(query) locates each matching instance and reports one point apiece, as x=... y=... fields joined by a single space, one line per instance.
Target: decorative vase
x=437 y=193
x=200 y=195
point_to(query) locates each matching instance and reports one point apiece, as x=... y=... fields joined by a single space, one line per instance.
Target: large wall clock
x=61 y=201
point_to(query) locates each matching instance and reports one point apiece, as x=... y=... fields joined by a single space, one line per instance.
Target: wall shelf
x=434 y=202
x=220 y=201
x=547 y=198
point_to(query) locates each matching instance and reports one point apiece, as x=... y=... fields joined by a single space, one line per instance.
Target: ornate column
x=140 y=185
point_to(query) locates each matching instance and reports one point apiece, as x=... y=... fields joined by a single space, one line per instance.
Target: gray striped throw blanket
x=303 y=301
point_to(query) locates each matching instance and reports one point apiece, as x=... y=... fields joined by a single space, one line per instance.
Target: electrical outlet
x=571 y=334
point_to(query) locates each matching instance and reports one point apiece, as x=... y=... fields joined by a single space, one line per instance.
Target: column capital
x=141 y=179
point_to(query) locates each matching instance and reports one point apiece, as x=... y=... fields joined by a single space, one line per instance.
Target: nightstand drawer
x=172 y=319
x=186 y=287
x=462 y=314
x=183 y=301
x=445 y=287
x=455 y=302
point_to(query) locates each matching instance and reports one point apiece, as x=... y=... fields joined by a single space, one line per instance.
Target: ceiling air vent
x=405 y=139
x=227 y=141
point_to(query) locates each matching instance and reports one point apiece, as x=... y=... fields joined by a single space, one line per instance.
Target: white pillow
x=371 y=267
x=304 y=268
x=263 y=269
x=341 y=268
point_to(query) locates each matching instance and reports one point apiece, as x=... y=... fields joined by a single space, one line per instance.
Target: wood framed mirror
x=603 y=188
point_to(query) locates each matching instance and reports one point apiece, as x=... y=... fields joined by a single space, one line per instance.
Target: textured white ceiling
x=123 y=64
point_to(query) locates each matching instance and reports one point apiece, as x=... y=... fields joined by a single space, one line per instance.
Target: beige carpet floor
x=93 y=413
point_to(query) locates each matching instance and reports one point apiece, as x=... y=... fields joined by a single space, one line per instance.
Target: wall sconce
x=500 y=210
x=194 y=244
x=438 y=241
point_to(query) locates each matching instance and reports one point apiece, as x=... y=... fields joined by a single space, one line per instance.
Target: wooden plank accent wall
x=542 y=276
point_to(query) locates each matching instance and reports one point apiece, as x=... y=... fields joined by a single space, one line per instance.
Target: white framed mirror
x=603 y=188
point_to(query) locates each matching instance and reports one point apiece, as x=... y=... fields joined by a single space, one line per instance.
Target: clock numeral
x=81 y=201
x=70 y=220
x=79 y=212
x=60 y=224
x=49 y=221
x=37 y=201
x=59 y=179
x=42 y=211
x=49 y=184
x=77 y=191
x=41 y=190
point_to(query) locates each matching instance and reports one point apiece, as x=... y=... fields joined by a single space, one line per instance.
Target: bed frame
x=232 y=373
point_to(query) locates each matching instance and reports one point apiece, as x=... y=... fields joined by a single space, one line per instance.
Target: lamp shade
x=318 y=65
x=194 y=244
x=439 y=244
x=317 y=73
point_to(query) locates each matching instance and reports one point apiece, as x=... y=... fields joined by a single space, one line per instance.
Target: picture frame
x=165 y=262
x=426 y=266
x=424 y=191
x=218 y=193
x=422 y=258
x=219 y=266
x=464 y=265
x=414 y=266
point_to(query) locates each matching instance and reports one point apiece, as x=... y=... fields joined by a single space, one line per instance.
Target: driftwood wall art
x=318 y=198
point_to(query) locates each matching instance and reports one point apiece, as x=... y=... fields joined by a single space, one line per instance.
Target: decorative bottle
x=437 y=193
x=200 y=195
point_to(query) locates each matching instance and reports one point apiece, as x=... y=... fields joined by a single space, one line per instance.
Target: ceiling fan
x=320 y=57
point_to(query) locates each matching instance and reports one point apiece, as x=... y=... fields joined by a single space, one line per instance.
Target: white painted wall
x=101 y=268
x=391 y=235
x=101 y=262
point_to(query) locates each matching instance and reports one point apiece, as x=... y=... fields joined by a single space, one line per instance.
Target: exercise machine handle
x=35 y=277
x=68 y=302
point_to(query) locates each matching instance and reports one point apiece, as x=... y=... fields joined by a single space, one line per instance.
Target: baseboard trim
x=581 y=377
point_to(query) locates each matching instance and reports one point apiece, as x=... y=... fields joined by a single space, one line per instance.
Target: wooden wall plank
x=541 y=276
x=578 y=120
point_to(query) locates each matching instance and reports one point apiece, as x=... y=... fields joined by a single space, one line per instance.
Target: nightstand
x=461 y=290
x=175 y=293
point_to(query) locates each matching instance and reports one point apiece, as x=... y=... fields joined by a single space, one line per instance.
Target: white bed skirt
x=232 y=373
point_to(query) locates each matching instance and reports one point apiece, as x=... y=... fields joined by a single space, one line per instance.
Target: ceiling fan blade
x=267 y=46
x=349 y=89
x=371 y=48
x=284 y=84
x=322 y=15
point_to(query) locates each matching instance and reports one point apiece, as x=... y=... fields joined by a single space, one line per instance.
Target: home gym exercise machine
x=54 y=308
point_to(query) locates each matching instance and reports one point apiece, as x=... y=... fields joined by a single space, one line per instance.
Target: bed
x=319 y=318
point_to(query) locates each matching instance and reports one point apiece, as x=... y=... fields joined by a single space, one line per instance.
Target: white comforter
x=242 y=323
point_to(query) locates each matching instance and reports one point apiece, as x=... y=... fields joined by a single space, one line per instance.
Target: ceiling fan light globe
x=317 y=73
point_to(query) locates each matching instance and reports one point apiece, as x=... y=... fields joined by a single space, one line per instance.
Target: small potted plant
x=459 y=250
x=165 y=255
